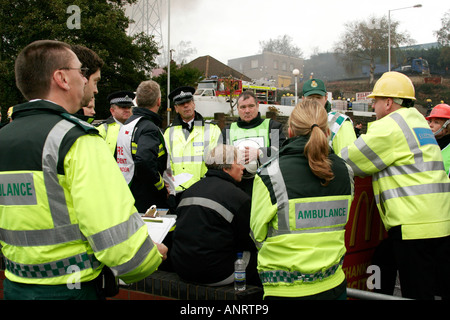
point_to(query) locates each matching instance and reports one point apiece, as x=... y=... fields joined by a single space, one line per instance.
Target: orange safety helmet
x=440 y=111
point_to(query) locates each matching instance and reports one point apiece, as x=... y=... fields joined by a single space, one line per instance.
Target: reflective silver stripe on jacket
x=64 y=231
x=55 y=192
x=136 y=261
x=208 y=203
x=419 y=166
x=190 y=158
x=312 y=226
x=47 y=237
x=117 y=234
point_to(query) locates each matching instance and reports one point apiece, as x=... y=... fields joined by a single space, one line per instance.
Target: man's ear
x=60 y=79
x=389 y=104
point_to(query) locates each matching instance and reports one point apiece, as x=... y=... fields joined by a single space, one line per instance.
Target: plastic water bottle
x=239 y=273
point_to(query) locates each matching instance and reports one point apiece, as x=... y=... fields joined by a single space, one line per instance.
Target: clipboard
x=159 y=227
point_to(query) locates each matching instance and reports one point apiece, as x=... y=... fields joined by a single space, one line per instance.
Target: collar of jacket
x=148 y=114
x=220 y=174
x=109 y=120
x=444 y=141
x=177 y=121
x=81 y=116
x=37 y=107
x=296 y=145
x=252 y=124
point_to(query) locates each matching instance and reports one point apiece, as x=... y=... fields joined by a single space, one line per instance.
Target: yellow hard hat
x=394 y=85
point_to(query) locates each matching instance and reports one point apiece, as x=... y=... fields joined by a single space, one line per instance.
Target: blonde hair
x=309 y=117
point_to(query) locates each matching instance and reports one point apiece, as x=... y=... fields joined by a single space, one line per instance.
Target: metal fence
x=367 y=295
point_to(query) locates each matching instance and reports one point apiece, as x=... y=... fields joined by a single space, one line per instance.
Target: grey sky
x=228 y=29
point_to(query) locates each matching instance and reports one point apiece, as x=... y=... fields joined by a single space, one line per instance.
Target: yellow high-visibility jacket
x=409 y=182
x=59 y=220
x=342 y=131
x=188 y=154
x=109 y=130
x=298 y=225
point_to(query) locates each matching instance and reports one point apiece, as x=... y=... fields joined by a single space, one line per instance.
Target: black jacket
x=149 y=167
x=205 y=244
x=444 y=141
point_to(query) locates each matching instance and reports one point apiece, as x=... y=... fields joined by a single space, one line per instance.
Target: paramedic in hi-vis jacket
x=300 y=206
x=61 y=226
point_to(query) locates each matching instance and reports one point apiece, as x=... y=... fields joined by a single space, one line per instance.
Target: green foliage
x=443 y=34
x=179 y=76
x=128 y=60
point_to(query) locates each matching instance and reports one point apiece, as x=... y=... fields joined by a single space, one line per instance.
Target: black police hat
x=182 y=94
x=122 y=98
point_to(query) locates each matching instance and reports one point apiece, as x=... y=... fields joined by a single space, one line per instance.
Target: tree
x=282 y=45
x=443 y=37
x=365 y=41
x=443 y=34
x=231 y=86
x=100 y=25
x=179 y=76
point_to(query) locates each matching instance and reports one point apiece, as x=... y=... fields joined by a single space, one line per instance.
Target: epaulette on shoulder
x=211 y=122
x=98 y=124
x=87 y=127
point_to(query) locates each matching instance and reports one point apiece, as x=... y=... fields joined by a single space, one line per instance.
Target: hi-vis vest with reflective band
x=335 y=122
x=299 y=224
x=259 y=135
x=109 y=132
x=128 y=148
x=446 y=157
x=409 y=182
x=188 y=155
x=40 y=231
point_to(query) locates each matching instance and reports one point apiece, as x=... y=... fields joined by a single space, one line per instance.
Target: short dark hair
x=35 y=65
x=88 y=58
x=247 y=94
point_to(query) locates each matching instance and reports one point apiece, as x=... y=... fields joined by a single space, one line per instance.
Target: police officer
x=56 y=238
x=300 y=207
x=411 y=188
x=121 y=103
x=258 y=138
x=189 y=138
x=341 y=126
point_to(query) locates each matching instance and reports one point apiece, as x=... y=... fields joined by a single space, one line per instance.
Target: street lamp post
x=389 y=31
x=296 y=72
x=169 y=58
